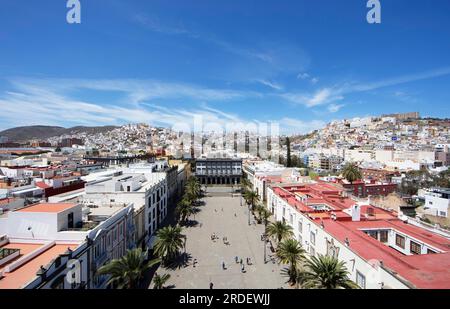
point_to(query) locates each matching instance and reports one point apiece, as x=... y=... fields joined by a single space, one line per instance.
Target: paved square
x=218 y=216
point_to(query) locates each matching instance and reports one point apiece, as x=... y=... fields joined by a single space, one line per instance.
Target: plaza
x=223 y=215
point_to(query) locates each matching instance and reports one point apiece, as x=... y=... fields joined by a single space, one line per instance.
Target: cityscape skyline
x=145 y=62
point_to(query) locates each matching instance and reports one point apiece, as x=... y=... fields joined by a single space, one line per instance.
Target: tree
x=193 y=189
x=169 y=242
x=184 y=209
x=280 y=230
x=129 y=269
x=325 y=272
x=251 y=198
x=160 y=281
x=289 y=251
x=351 y=172
x=288 y=154
x=245 y=184
x=263 y=213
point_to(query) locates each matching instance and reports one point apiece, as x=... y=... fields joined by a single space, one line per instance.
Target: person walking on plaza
x=223 y=266
x=211 y=285
x=236 y=259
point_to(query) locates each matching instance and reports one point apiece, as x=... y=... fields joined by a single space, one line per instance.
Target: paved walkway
x=218 y=216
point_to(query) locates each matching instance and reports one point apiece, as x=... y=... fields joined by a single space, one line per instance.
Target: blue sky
x=300 y=63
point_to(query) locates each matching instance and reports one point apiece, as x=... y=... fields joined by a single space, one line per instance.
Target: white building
x=56 y=239
x=437 y=202
x=378 y=249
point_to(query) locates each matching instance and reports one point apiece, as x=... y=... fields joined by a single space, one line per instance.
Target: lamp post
x=248 y=214
x=265 y=249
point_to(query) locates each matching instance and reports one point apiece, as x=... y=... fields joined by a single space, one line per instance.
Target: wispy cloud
x=334 y=108
x=296 y=126
x=307 y=76
x=331 y=95
x=53 y=102
x=270 y=84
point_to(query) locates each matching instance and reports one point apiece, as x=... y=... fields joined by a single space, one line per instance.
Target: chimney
x=356 y=212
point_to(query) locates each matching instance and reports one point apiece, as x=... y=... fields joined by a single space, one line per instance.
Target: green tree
x=169 y=242
x=351 y=172
x=288 y=154
x=289 y=251
x=184 y=210
x=193 y=189
x=160 y=281
x=251 y=198
x=245 y=184
x=280 y=230
x=325 y=272
x=127 y=271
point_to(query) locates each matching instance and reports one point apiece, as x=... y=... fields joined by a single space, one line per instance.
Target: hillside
x=20 y=134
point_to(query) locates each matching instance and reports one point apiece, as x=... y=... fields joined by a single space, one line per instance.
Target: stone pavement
x=218 y=216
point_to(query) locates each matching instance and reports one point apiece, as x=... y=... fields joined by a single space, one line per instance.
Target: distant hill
x=21 y=134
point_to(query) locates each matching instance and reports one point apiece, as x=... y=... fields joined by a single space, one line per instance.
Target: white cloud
x=334 y=108
x=270 y=84
x=296 y=126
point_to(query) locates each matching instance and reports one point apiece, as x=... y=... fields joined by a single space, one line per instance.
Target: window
x=312 y=251
x=429 y=251
x=384 y=236
x=313 y=238
x=442 y=214
x=400 y=241
x=360 y=280
x=415 y=247
x=300 y=226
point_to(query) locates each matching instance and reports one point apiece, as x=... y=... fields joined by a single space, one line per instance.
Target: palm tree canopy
x=184 y=209
x=325 y=272
x=245 y=184
x=251 y=197
x=160 y=281
x=351 y=172
x=169 y=241
x=279 y=230
x=290 y=252
x=129 y=269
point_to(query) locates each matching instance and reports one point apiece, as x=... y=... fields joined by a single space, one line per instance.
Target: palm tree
x=184 y=209
x=290 y=252
x=245 y=184
x=280 y=230
x=129 y=269
x=193 y=189
x=351 y=172
x=169 y=242
x=251 y=198
x=263 y=214
x=325 y=272
x=160 y=281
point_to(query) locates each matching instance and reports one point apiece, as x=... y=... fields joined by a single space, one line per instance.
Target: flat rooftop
x=47 y=207
x=27 y=272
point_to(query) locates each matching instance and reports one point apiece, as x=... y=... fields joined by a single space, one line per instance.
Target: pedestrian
x=211 y=285
x=223 y=265
x=247 y=262
x=241 y=262
x=236 y=259
x=242 y=268
x=235 y=215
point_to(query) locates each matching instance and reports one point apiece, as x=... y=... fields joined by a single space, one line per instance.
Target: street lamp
x=248 y=214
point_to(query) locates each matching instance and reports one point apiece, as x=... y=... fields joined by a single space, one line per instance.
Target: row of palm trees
x=322 y=272
x=188 y=204
x=129 y=270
